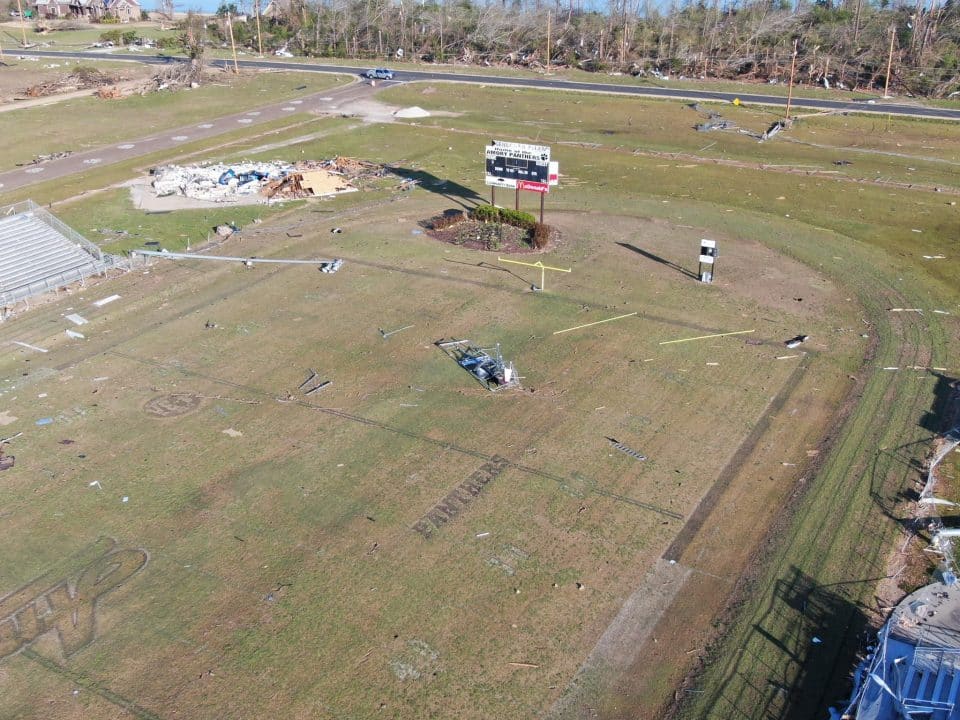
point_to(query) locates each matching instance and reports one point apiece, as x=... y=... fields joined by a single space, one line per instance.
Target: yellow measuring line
x=618 y=317
x=704 y=337
x=537 y=264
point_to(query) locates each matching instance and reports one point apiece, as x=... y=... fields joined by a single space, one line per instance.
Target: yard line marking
x=180 y=138
x=34 y=170
x=205 y=126
x=244 y=121
x=126 y=146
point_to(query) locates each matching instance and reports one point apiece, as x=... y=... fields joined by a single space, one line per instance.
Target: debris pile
x=485 y=364
x=40 y=159
x=276 y=180
x=216 y=182
x=309 y=179
x=176 y=75
x=82 y=78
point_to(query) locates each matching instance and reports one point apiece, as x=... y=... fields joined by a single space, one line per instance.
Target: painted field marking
x=705 y=337
x=578 y=327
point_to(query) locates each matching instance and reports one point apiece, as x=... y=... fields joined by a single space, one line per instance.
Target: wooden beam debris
x=385 y=334
x=313 y=374
x=321 y=386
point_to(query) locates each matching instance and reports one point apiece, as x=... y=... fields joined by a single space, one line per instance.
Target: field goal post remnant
x=537 y=264
x=708 y=259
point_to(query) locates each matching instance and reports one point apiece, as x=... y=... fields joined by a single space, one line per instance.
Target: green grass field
x=272 y=565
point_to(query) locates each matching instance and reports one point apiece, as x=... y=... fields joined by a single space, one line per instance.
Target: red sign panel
x=533 y=186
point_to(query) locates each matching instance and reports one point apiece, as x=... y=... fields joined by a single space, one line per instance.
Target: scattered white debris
x=125 y=498
x=76 y=319
x=75 y=335
x=232 y=433
x=815 y=640
x=934 y=257
x=891 y=368
x=786 y=357
x=482 y=535
x=941 y=312
x=96 y=484
x=104 y=301
x=101 y=378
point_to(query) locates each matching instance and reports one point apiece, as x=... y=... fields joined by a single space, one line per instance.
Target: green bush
x=517 y=218
x=119 y=37
x=486 y=213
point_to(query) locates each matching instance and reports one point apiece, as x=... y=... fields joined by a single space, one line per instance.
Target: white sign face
x=708 y=251
x=517 y=165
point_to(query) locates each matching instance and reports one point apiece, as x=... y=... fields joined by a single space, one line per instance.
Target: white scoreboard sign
x=520 y=166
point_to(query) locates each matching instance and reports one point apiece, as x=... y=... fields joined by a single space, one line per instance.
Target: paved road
x=328 y=100
x=677 y=93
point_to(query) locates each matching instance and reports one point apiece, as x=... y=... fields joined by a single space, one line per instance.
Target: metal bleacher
x=39 y=253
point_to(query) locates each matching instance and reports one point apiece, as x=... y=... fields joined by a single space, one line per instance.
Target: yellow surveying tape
x=618 y=317
x=704 y=337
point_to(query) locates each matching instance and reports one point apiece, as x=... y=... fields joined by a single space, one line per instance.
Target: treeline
x=848 y=45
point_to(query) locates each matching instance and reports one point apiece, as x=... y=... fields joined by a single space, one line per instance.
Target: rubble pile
x=82 y=78
x=276 y=180
x=217 y=182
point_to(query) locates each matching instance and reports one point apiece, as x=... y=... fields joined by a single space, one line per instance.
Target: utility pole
x=549 y=18
x=259 y=39
x=23 y=27
x=793 y=67
x=236 y=66
x=886 y=84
